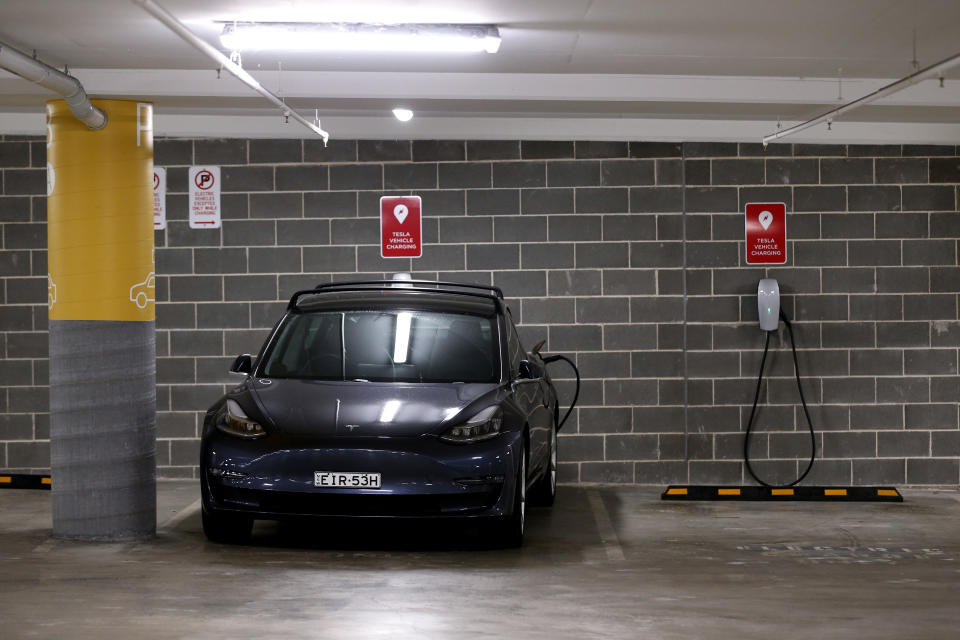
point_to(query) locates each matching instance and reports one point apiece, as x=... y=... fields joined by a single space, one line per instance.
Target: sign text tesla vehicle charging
x=400 y=227
x=765 y=228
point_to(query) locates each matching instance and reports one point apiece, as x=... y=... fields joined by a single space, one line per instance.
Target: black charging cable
x=576 y=372
x=803 y=400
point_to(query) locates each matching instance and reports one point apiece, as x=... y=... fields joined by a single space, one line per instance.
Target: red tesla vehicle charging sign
x=766 y=232
x=400 y=227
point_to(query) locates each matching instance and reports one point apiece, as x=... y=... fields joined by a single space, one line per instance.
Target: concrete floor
x=605 y=562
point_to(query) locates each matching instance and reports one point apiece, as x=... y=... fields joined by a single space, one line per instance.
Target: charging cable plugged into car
x=770 y=314
x=576 y=392
x=576 y=372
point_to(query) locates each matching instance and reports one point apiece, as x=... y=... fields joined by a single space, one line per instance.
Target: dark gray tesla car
x=384 y=399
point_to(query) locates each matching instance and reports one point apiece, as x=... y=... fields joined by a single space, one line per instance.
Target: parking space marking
x=45 y=546
x=177 y=519
x=608 y=534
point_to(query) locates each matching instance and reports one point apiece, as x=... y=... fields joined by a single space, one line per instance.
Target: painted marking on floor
x=848 y=554
x=45 y=546
x=176 y=519
x=608 y=534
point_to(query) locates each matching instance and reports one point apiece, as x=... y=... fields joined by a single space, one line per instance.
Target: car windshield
x=378 y=346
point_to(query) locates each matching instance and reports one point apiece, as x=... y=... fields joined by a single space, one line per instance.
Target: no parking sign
x=204 y=185
x=159 y=198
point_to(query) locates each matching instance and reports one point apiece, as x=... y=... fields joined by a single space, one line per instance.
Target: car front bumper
x=273 y=478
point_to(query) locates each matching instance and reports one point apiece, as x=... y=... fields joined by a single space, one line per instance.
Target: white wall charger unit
x=768 y=304
x=768 y=308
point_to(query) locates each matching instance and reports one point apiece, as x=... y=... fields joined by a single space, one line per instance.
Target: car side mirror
x=530 y=370
x=242 y=365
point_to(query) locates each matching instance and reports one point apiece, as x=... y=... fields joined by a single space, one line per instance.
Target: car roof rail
x=401 y=284
x=426 y=286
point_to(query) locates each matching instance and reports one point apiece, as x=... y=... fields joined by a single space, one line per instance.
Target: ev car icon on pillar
x=51 y=292
x=144 y=292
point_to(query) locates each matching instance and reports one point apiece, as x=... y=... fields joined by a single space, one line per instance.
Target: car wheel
x=512 y=527
x=228 y=529
x=544 y=492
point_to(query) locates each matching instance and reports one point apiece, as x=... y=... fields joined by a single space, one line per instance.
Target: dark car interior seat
x=461 y=354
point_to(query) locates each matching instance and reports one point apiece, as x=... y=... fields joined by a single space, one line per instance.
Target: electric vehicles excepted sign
x=400 y=227
x=766 y=232
x=159 y=198
x=204 y=184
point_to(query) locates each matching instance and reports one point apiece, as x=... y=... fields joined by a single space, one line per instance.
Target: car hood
x=365 y=409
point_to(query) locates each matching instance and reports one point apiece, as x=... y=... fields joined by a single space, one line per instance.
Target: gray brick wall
x=591 y=243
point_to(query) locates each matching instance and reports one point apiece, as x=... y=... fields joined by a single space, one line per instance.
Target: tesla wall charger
x=768 y=304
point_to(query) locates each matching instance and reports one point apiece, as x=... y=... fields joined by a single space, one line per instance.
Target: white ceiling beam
x=659 y=129
x=478 y=128
x=498 y=86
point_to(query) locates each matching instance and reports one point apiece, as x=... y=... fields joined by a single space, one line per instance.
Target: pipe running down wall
x=67 y=86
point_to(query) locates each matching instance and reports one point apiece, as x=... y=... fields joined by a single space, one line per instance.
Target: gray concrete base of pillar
x=103 y=429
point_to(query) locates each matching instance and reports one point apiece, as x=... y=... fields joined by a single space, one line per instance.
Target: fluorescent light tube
x=402 y=339
x=346 y=36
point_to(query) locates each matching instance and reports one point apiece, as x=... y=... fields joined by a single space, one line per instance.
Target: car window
x=398 y=346
x=515 y=349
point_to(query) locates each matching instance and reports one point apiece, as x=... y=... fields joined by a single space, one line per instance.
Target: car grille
x=352 y=504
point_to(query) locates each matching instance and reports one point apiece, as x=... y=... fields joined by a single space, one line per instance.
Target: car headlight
x=235 y=422
x=483 y=426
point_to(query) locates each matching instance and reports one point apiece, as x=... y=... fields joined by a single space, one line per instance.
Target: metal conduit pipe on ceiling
x=934 y=70
x=211 y=52
x=67 y=86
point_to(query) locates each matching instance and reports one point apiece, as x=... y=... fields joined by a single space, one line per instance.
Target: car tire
x=544 y=491
x=512 y=526
x=227 y=529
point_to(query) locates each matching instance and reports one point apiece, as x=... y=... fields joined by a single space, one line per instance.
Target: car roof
x=396 y=298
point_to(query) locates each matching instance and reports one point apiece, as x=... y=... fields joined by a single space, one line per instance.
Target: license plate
x=346 y=479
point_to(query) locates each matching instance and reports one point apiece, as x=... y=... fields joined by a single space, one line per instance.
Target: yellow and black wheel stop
x=782 y=494
x=24 y=481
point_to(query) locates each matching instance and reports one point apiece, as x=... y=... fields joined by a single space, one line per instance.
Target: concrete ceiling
x=567 y=69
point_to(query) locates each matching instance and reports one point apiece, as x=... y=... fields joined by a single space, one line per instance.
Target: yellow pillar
x=100 y=213
x=101 y=303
